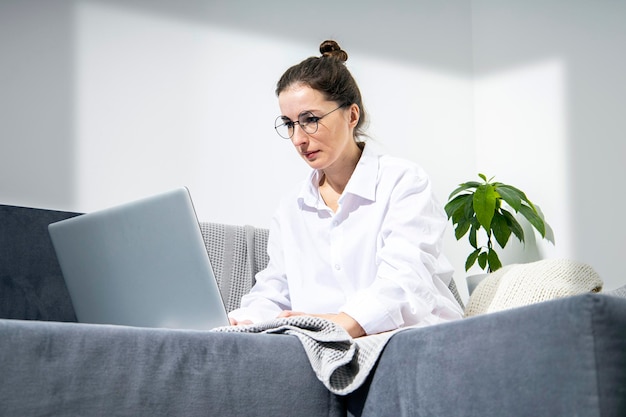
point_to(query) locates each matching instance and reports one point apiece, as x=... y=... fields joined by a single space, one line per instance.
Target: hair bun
x=331 y=48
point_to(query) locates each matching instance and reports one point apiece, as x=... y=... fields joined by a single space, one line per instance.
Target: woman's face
x=333 y=143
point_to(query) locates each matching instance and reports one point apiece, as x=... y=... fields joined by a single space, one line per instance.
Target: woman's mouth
x=310 y=154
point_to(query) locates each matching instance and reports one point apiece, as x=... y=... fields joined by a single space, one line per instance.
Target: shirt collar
x=362 y=183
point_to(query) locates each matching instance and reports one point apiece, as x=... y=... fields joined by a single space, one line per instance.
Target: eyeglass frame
x=302 y=125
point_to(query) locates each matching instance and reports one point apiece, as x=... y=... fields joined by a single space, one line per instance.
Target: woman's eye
x=310 y=119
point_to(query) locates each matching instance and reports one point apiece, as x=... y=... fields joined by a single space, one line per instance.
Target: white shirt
x=377 y=259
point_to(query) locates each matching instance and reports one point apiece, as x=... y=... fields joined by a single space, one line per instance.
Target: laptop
x=141 y=264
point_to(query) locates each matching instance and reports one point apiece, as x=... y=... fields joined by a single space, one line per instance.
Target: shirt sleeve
x=270 y=294
x=407 y=289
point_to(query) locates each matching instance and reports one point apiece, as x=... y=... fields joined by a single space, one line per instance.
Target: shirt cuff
x=371 y=314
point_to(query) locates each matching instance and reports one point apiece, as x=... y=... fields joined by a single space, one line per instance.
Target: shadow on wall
x=37 y=103
x=426 y=33
x=587 y=36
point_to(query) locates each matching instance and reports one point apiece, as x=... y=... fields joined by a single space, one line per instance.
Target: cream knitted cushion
x=522 y=284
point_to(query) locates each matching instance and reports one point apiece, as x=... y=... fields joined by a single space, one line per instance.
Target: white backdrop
x=106 y=101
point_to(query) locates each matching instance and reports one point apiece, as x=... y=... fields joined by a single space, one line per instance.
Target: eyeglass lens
x=307 y=121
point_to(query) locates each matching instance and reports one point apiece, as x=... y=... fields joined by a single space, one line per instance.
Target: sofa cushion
x=523 y=284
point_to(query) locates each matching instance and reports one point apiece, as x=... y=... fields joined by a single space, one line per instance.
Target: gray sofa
x=564 y=357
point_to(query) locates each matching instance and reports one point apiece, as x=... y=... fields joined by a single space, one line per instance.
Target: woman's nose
x=299 y=137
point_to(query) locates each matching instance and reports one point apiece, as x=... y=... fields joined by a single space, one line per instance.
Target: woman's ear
x=355 y=114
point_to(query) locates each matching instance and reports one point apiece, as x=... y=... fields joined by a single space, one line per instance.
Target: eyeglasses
x=307 y=121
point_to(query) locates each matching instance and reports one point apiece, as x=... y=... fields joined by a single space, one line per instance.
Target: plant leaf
x=458 y=217
x=549 y=232
x=511 y=195
x=472 y=237
x=501 y=229
x=461 y=229
x=494 y=261
x=514 y=225
x=521 y=194
x=485 y=204
x=482 y=260
x=533 y=218
x=457 y=204
x=463 y=187
x=471 y=259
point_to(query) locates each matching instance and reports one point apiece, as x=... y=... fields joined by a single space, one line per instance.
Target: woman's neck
x=335 y=179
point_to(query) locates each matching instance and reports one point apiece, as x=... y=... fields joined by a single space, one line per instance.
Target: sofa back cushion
x=31 y=283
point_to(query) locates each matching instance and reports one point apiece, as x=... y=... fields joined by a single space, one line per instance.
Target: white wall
x=550 y=99
x=152 y=95
x=104 y=101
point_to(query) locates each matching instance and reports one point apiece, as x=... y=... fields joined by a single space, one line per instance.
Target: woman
x=359 y=242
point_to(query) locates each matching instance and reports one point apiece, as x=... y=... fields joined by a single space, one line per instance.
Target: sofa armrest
x=71 y=369
x=558 y=358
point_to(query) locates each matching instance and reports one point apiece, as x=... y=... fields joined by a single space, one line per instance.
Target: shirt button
x=337 y=267
x=335 y=223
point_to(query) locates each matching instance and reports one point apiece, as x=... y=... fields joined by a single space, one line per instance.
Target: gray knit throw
x=339 y=361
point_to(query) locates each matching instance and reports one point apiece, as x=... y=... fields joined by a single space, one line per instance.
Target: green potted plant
x=488 y=206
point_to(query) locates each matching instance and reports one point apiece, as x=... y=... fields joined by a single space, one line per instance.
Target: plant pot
x=473 y=281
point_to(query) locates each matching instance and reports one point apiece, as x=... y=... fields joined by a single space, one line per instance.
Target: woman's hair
x=329 y=75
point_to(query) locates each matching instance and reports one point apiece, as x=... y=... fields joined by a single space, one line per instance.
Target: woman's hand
x=350 y=325
x=234 y=322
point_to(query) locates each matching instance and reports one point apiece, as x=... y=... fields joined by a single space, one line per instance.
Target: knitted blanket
x=518 y=285
x=340 y=362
